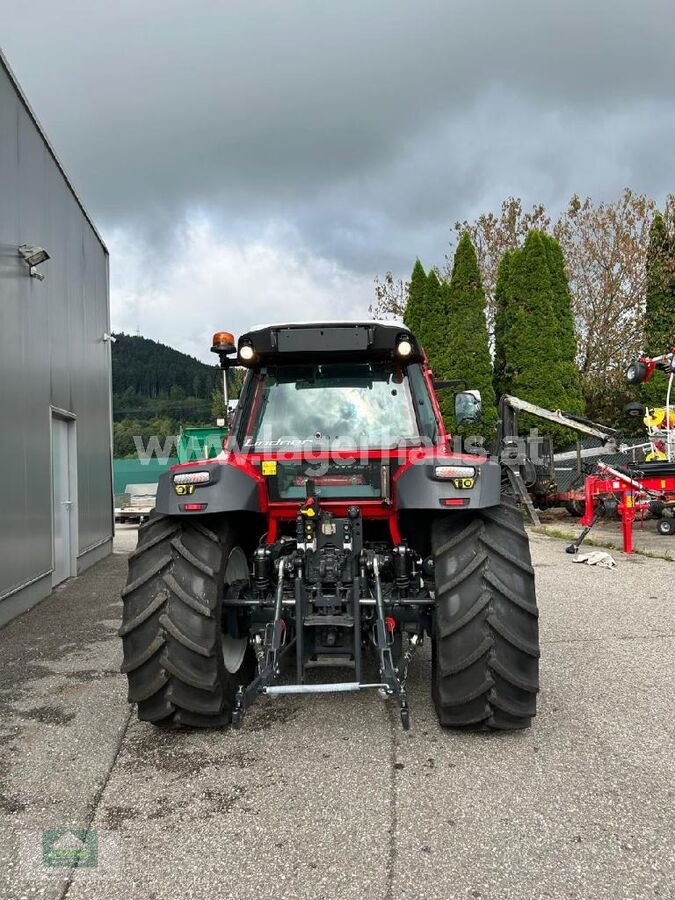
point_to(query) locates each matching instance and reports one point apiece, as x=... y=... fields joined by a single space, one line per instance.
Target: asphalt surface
x=326 y=797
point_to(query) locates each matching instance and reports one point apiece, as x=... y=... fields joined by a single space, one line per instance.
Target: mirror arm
x=442 y=384
x=227 y=362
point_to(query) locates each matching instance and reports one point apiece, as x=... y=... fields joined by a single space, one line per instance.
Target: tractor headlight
x=404 y=347
x=454 y=471
x=191 y=477
x=246 y=352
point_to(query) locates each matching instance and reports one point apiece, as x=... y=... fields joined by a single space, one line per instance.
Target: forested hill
x=156 y=389
x=151 y=370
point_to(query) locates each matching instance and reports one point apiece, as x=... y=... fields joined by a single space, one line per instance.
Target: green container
x=200 y=443
x=137 y=471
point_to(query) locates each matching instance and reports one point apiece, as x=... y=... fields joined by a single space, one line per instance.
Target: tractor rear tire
x=485 y=641
x=172 y=625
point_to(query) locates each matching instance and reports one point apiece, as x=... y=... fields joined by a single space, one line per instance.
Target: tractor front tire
x=485 y=641
x=172 y=625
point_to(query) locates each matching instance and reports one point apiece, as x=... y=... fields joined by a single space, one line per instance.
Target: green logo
x=69 y=847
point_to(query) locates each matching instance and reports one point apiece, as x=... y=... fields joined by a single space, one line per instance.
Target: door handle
x=67 y=502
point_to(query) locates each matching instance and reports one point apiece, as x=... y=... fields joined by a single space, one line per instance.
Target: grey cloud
x=369 y=124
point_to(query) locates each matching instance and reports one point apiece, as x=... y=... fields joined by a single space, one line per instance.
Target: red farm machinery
x=648 y=487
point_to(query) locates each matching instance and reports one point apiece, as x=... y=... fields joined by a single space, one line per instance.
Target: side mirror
x=468 y=407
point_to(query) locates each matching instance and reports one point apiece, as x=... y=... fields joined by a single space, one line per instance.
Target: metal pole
x=299 y=626
x=669 y=448
x=226 y=398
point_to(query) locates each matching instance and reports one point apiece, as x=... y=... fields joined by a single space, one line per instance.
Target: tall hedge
x=414 y=310
x=429 y=321
x=502 y=290
x=468 y=353
x=535 y=345
x=432 y=330
x=531 y=340
x=660 y=310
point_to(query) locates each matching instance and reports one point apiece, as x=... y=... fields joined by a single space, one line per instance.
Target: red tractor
x=338 y=528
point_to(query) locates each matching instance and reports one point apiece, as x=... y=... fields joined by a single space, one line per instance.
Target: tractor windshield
x=348 y=404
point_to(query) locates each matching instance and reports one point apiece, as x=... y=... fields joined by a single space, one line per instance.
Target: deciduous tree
x=605 y=247
x=495 y=234
x=391 y=297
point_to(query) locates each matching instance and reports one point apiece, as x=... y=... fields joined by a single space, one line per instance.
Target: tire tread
x=171 y=625
x=485 y=639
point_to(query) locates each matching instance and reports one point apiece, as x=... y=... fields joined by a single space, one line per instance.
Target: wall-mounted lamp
x=34 y=256
x=108 y=338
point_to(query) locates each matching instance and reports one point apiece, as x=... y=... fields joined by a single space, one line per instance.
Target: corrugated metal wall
x=51 y=353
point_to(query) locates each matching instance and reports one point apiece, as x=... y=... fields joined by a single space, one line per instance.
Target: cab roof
x=359 y=340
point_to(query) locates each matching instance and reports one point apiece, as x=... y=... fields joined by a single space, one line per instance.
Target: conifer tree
x=530 y=338
x=432 y=332
x=416 y=298
x=660 y=310
x=468 y=351
x=501 y=323
x=432 y=327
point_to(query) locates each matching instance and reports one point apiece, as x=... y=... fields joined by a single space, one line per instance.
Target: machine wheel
x=182 y=669
x=485 y=641
x=665 y=526
x=575 y=507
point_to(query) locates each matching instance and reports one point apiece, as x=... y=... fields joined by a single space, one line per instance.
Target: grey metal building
x=56 y=506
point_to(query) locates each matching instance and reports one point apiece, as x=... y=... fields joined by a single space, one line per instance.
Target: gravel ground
x=326 y=797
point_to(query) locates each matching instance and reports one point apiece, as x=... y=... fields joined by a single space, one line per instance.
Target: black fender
x=418 y=488
x=229 y=489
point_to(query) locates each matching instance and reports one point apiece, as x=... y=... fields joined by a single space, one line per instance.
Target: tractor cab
x=344 y=410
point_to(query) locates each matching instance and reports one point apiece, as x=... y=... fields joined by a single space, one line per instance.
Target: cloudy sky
x=257 y=160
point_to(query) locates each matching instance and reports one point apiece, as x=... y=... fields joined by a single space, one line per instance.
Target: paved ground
x=125 y=538
x=327 y=797
x=607 y=533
